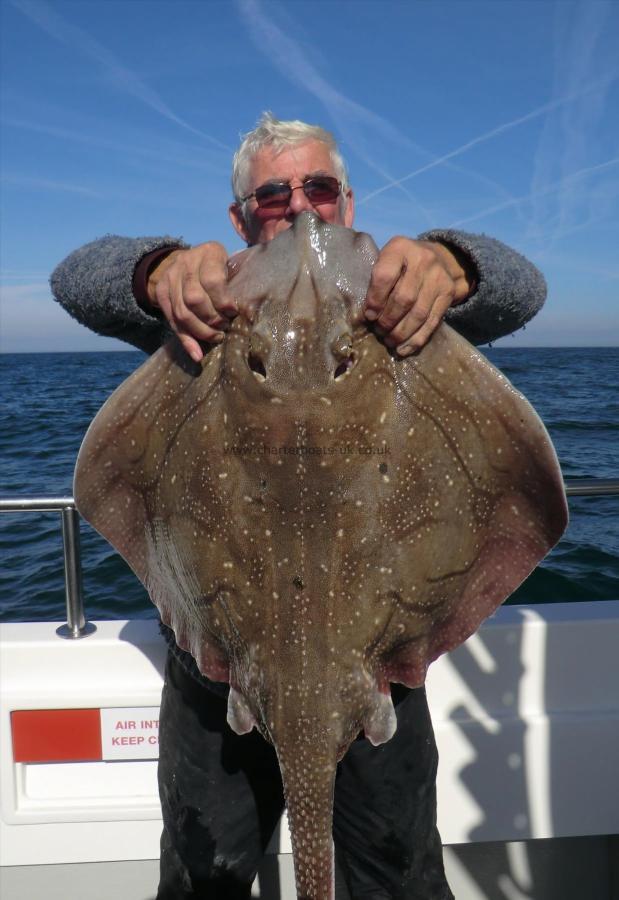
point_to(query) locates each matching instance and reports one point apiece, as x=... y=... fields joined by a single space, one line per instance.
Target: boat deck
x=526 y=715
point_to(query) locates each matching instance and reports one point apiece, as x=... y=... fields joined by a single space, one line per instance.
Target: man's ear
x=238 y=221
x=349 y=212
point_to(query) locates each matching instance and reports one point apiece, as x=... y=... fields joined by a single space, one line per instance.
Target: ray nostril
x=344 y=367
x=257 y=366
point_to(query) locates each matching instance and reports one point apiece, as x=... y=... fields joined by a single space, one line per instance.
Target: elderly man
x=221 y=794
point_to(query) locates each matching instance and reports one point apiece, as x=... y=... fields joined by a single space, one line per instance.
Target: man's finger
x=420 y=335
x=404 y=298
x=434 y=295
x=186 y=322
x=408 y=325
x=183 y=320
x=197 y=303
x=191 y=346
x=214 y=281
x=385 y=274
x=219 y=295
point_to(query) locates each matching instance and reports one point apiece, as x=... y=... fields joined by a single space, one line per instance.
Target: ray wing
x=124 y=460
x=479 y=500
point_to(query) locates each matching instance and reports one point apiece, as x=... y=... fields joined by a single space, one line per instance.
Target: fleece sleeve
x=510 y=290
x=94 y=285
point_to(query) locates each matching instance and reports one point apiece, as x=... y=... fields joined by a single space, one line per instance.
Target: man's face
x=292 y=165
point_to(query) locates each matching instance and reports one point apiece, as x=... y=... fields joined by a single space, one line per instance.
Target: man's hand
x=413 y=285
x=190 y=287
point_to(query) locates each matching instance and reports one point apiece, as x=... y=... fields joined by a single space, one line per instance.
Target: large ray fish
x=314 y=517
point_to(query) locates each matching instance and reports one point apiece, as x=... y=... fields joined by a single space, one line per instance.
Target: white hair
x=271 y=132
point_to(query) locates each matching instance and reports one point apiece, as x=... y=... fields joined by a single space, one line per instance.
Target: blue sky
x=499 y=117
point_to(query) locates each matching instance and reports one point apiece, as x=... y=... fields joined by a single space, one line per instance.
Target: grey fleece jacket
x=94 y=285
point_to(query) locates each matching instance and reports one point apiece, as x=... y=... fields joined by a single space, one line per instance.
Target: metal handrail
x=591 y=487
x=77 y=626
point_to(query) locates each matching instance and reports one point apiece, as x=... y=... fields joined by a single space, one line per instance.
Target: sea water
x=49 y=399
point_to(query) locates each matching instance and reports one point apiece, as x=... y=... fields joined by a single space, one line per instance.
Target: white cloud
x=32 y=322
x=11 y=294
x=561 y=328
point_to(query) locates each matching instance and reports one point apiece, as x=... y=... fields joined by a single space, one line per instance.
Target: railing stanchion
x=76 y=626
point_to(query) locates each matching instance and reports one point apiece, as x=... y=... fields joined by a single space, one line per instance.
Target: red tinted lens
x=323 y=189
x=276 y=195
x=272 y=196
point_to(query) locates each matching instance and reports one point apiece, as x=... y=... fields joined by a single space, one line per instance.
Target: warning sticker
x=130 y=732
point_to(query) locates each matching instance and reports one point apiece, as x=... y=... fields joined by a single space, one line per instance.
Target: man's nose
x=298 y=201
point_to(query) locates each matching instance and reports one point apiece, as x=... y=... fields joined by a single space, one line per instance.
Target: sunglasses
x=276 y=194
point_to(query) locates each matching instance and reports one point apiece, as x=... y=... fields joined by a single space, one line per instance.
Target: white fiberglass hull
x=526 y=715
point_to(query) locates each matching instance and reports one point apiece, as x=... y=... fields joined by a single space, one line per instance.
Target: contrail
x=83 y=137
x=487 y=135
x=568 y=141
x=43 y=15
x=548 y=189
x=288 y=56
x=48 y=185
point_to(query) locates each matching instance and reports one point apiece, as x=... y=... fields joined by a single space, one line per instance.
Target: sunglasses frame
x=308 y=180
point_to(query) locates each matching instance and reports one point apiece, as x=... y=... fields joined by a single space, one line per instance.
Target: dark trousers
x=221 y=796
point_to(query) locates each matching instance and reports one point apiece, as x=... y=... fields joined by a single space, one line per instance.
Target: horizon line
x=490 y=345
